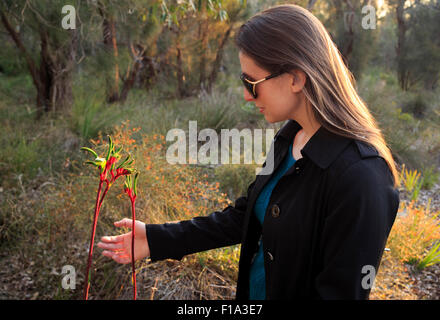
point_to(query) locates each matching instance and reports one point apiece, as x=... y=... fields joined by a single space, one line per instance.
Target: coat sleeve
x=362 y=209
x=219 y=229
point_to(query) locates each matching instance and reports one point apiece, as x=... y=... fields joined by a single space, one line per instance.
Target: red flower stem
x=104 y=193
x=133 y=214
x=99 y=201
x=92 y=239
x=107 y=187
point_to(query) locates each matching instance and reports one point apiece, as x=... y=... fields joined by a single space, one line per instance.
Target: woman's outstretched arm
x=219 y=229
x=175 y=240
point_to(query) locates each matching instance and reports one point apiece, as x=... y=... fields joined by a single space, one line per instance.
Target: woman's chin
x=270 y=119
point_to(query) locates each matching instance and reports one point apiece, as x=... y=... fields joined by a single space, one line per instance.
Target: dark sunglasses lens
x=248 y=86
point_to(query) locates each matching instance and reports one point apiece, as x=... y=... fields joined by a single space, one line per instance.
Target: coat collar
x=324 y=146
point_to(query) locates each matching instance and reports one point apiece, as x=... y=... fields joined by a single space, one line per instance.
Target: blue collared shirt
x=257 y=282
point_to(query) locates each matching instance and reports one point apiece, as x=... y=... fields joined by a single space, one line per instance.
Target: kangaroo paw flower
x=107 y=165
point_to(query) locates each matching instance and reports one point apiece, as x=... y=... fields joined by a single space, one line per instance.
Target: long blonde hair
x=288 y=37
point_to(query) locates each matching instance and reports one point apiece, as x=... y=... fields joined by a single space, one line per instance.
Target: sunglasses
x=250 y=85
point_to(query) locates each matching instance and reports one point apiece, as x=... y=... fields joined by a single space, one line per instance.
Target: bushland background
x=136 y=69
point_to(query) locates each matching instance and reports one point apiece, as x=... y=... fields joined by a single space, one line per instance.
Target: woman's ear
x=298 y=80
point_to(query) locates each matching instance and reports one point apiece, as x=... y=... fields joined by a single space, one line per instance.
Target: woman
x=315 y=227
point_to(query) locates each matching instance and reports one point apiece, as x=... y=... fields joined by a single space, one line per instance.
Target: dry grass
x=414 y=230
x=47 y=223
x=49 y=227
x=393 y=282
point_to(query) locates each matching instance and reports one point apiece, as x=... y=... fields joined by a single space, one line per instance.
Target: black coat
x=325 y=228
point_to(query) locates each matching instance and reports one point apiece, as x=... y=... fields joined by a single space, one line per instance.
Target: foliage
x=413 y=141
x=417 y=106
x=220 y=109
x=423 y=26
x=11 y=64
x=174 y=191
x=91 y=114
x=431 y=258
x=343 y=19
x=58 y=215
x=223 y=260
x=49 y=51
x=19 y=155
x=430 y=177
x=234 y=179
x=412 y=181
x=413 y=231
x=44 y=192
x=385 y=53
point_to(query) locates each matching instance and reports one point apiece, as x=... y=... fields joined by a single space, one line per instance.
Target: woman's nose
x=247 y=95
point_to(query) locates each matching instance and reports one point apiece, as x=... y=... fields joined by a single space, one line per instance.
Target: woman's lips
x=261 y=110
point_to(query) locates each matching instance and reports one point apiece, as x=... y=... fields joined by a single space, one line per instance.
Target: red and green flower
x=108 y=174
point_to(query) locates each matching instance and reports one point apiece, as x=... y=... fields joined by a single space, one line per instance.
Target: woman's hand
x=119 y=247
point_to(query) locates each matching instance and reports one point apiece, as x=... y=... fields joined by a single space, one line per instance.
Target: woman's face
x=277 y=98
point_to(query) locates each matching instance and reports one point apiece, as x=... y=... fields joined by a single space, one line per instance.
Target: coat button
x=297 y=170
x=270 y=256
x=275 y=210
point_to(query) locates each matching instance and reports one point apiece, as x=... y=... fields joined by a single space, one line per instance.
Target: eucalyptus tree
x=418 y=42
x=345 y=21
x=197 y=34
x=141 y=39
x=50 y=51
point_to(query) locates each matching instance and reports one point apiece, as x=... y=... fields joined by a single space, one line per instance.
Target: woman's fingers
x=118 y=257
x=111 y=246
x=123 y=223
x=114 y=245
x=113 y=239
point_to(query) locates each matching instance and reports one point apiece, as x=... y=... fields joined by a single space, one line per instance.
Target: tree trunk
x=55 y=73
x=30 y=63
x=181 y=91
x=52 y=78
x=400 y=49
x=349 y=18
x=149 y=75
x=110 y=43
x=218 y=59
x=180 y=77
x=129 y=81
x=203 y=36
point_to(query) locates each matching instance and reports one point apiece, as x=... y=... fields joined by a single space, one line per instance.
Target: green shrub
x=235 y=178
x=17 y=96
x=431 y=258
x=19 y=155
x=412 y=182
x=409 y=121
x=11 y=63
x=91 y=114
x=430 y=177
x=217 y=110
x=417 y=106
